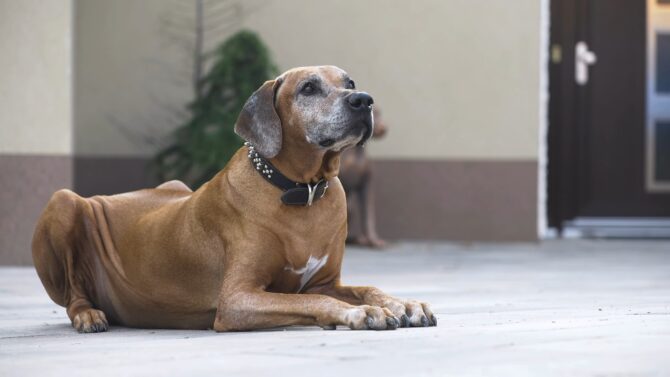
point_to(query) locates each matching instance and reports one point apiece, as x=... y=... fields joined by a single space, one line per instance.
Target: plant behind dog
x=204 y=144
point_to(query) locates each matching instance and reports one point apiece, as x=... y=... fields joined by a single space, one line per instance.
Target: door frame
x=563 y=168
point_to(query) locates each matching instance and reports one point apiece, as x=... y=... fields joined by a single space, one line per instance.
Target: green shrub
x=204 y=144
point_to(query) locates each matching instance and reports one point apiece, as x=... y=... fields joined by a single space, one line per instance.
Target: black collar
x=295 y=193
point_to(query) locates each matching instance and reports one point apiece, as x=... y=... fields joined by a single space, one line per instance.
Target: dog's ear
x=258 y=122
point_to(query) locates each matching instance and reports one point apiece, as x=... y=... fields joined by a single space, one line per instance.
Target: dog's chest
x=306 y=272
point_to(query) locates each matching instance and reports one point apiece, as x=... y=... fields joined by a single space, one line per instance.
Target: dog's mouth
x=327 y=143
x=367 y=133
x=358 y=134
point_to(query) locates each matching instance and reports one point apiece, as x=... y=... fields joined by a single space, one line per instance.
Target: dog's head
x=316 y=106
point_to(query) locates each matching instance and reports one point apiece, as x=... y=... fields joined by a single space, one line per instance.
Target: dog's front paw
x=412 y=313
x=366 y=317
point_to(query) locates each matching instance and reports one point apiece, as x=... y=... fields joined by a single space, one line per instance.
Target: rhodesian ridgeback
x=258 y=246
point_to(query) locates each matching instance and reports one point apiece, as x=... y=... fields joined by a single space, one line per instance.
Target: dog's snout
x=360 y=101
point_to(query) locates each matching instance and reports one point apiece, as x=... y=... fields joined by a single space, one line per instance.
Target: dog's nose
x=360 y=101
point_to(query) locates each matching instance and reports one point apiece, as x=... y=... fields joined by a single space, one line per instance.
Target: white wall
x=132 y=74
x=455 y=79
x=36 y=77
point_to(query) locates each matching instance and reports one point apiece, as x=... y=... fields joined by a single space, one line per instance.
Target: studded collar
x=295 y=193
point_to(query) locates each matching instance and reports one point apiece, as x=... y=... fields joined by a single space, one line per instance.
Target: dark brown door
x=609 y=133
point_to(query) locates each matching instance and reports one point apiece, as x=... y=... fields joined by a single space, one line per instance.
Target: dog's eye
x=308 y=88
x=351 y=84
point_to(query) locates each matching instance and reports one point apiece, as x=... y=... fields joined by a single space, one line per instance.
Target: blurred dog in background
x=356 y=177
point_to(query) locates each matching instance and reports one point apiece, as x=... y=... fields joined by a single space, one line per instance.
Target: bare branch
x=132 y=134
x=197 y=50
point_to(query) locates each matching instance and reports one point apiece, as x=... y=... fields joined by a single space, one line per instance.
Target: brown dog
x=356 y=177
x=231 y=255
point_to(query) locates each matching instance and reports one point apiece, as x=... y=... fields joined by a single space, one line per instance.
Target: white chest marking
x=312 y=266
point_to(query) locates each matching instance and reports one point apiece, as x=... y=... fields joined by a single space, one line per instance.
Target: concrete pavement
x=563 y=308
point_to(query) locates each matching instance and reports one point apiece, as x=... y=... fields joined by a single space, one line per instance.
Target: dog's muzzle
x=369 y=128
x=361 y=103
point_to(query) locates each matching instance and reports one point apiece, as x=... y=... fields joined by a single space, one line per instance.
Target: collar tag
x=310 y=194
x=313 y=189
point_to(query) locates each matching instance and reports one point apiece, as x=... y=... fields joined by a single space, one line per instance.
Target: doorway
x=609 y=118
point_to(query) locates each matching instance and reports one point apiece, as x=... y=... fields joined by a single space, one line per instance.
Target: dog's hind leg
x=61 y=265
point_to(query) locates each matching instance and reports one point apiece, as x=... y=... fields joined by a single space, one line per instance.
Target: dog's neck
x=307 y=165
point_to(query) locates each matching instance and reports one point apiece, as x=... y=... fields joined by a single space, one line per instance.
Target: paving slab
x=557 y=308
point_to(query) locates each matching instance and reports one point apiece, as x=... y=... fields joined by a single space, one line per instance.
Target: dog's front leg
x=257 y=309
x=410 y=312
x=244 y=304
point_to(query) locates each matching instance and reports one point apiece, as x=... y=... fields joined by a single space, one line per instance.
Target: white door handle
x=583 y=59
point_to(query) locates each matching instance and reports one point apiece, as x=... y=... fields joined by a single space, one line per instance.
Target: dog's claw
x=424 y=321
x=404 y=321
x=392 y=323
x=433 y=319
x=369 y=322
x=96 y=327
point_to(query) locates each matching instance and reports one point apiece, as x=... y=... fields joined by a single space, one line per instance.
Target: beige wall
x=35 y=116
x=456 y=79
x=35 y=77
x=133 y=71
